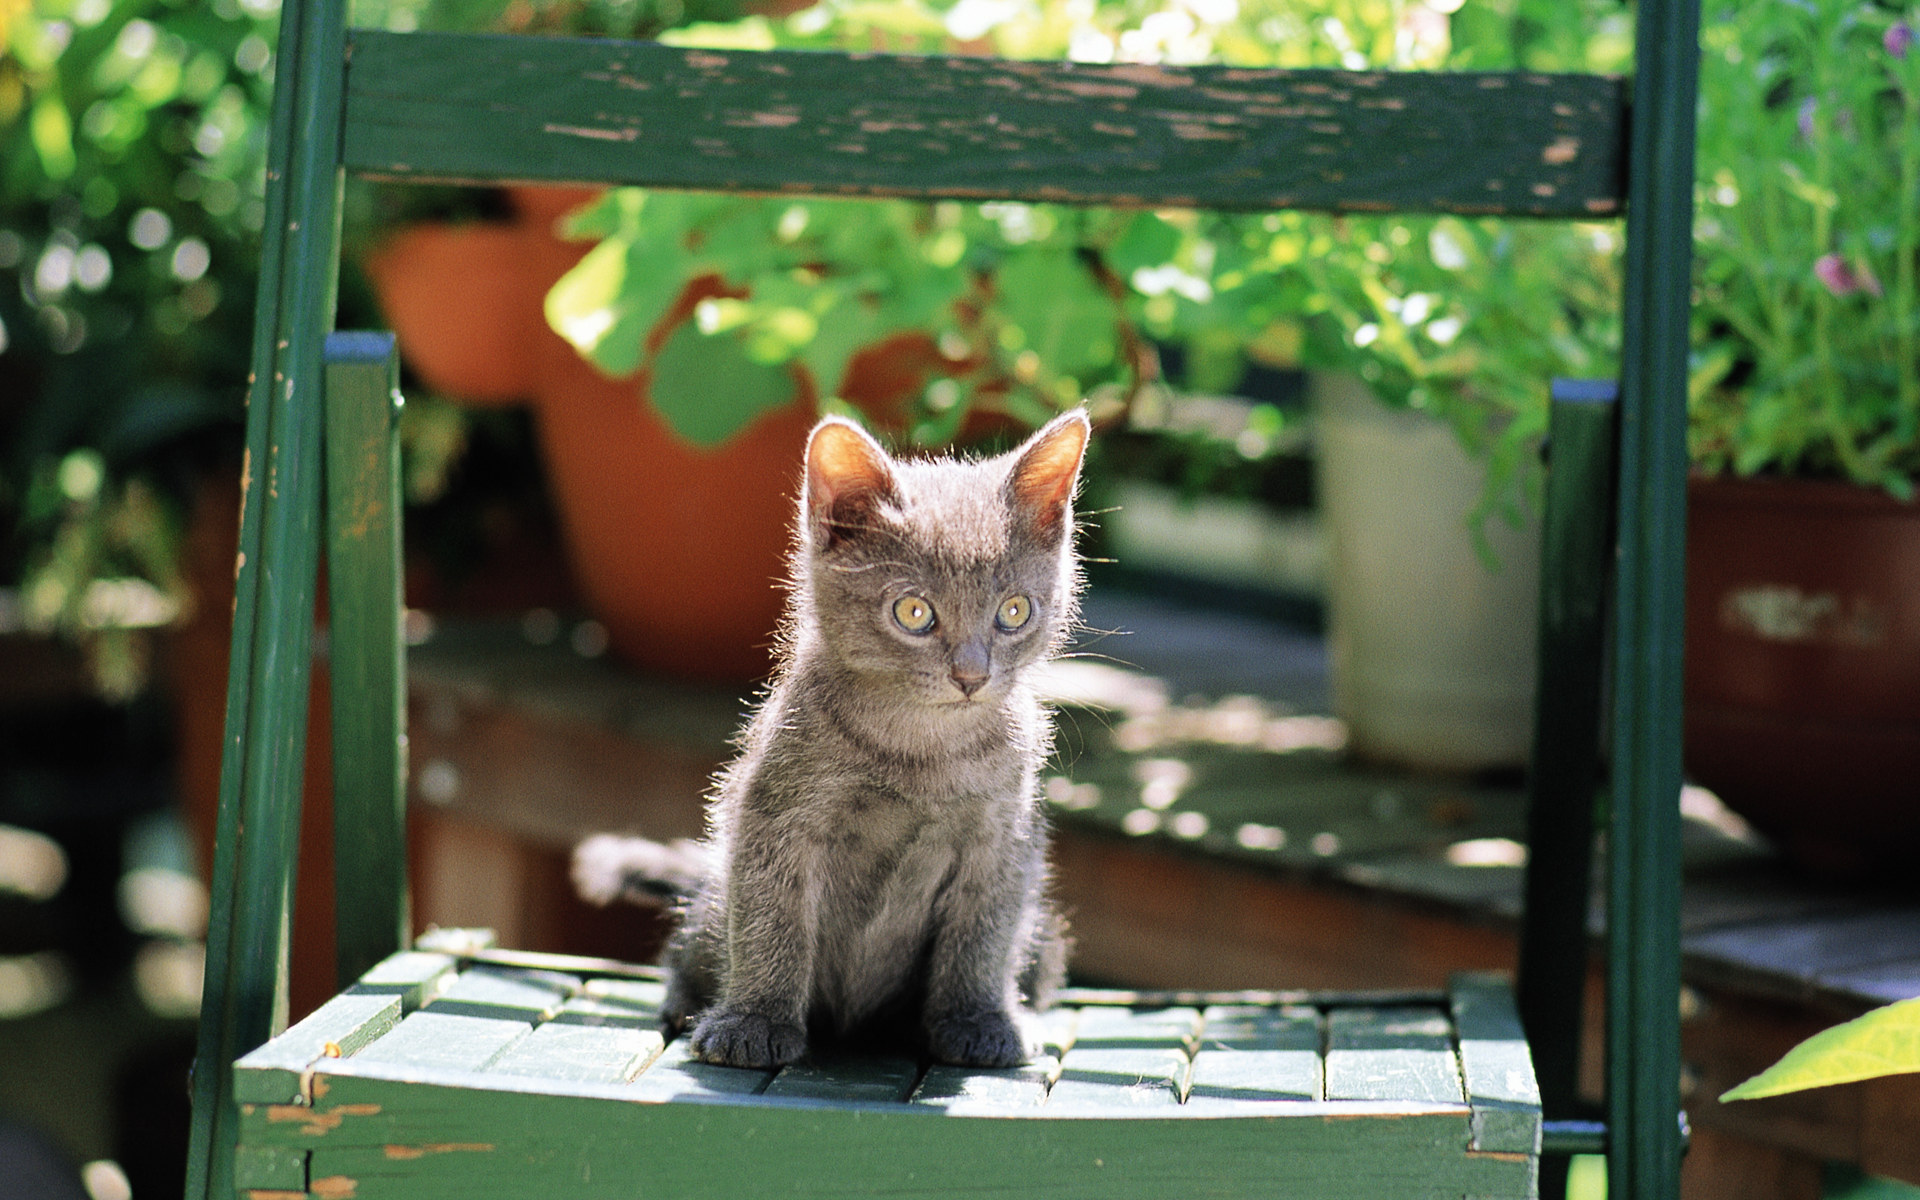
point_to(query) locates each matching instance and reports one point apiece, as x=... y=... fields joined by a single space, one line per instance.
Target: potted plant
x=1007 y=312
x=1803 y=622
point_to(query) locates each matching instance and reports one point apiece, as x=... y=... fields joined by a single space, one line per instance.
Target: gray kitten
x=877 y=851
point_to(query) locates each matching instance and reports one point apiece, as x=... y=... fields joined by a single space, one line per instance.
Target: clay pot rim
x=1795 y=492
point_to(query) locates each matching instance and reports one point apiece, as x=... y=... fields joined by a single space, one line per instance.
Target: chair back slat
x=475 y=107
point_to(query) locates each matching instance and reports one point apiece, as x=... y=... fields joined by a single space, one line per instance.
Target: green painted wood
x=587 y=1053
x=243 y=1000
x=415 y=976
x=1057 y=1028
x=1111 y=1026
x=1643 y=984
x=545 y=1145
x=827 y=1075
x=449 y=1041
x=1122 y=1076
x=476 y=107
x=944 y=1086
x=1128 y=1057
x=1577 y=559
x=1495 y=1066
x=1403 y=1054
x=270 y=1168
x=1258 y=1052
x=595 y=1010
x=367 y=655
x=275 y=1073
x=676 y=1075
x=640 y=996
x=531 y=996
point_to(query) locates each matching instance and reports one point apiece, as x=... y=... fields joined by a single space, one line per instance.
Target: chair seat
x=461 y=1071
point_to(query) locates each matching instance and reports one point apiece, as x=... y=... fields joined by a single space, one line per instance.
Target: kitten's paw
x=746 y=1039
x=990 y=1038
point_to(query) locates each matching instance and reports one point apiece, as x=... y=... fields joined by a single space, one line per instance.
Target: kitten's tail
x=608 y=867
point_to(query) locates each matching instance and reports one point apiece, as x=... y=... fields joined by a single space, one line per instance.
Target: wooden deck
x=1206 y=836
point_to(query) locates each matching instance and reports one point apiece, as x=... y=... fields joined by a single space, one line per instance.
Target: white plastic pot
x=1431 y=653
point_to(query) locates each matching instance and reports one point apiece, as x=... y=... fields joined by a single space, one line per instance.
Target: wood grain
x=478 y=107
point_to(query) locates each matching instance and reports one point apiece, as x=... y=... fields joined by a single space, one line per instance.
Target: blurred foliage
x=131 y=147
x=1807 y=301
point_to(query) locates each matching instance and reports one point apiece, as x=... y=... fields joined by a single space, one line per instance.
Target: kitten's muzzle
x=968 y=667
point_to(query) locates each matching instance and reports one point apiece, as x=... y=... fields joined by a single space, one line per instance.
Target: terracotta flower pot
x=461 y=296
x=678 y=550
x=1803 y=665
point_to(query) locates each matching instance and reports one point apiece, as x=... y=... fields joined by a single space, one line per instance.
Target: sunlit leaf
x=1885 y=1041
x=708 y=389
x=608 y=302
x=52 y=132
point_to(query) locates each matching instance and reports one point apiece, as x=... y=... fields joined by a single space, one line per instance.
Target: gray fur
x=878 y=844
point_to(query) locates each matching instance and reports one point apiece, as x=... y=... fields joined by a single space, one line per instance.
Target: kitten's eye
x=914 y=614
x=1014 y=611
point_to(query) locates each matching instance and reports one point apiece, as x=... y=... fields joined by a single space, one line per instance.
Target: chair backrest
x=483 y=108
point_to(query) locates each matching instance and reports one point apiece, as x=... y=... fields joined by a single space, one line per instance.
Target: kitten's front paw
x=746 y=1039
x=990 y=1038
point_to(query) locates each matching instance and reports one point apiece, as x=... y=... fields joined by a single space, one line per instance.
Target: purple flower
x=1808 y=107
x=1898 y=39
x=1840 y=278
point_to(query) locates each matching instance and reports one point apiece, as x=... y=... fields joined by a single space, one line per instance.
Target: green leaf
x=52 y=132
x=608 y=302
x=1048 y=294
x=1885 y=1041
x=708 y=389
x=1148 y=241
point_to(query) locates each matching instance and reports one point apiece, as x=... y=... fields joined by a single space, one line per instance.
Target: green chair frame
x=320 y=447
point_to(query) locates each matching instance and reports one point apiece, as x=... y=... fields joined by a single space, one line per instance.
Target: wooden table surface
x=1209 y=834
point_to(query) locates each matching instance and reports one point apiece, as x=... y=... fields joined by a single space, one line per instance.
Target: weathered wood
x=520 y=995
x=826 y=1075
x=677 y=1075
x=413 y=975
x=477 y=107
x=1254 y=1052
x=368 y=655
x=587 y=1053
x=1007 y=1087
x=1109 y=1027
x=471 y=1141
x=1391 y=1054
x=1122 y=1076
x=275 y=1073
x=273 y=1168
x=446 y=1040
x=1495 y=1066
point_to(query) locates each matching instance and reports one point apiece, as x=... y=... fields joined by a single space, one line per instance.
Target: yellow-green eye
x=1014 y=611
x=914 y=614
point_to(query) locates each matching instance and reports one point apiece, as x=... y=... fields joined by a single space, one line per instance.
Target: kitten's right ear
x=848 y=476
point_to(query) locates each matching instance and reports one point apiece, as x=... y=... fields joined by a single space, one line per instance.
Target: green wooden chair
x=459 y=1069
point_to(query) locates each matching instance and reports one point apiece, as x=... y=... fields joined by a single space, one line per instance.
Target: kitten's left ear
x=1047 y=470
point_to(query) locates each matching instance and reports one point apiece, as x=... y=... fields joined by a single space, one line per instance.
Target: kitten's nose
x=968 y=668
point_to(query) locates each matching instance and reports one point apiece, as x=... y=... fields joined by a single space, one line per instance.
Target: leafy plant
x=131 y=148
x=1885 y=1041
x=1808 y=305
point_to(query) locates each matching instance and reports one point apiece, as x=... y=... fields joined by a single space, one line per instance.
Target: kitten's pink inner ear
x=846 y=472
x=1044 y=478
